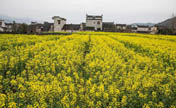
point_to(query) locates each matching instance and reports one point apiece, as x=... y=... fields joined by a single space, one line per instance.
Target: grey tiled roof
x=143 y=26
x=71 y=27
x=58 y=17
x=121 y=25
x=94 y=17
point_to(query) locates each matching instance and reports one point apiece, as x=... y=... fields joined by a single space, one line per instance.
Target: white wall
x=93 y=23
x=154 y=30
x=1 y=29
x=121 y=27
x=3 y=24
x=143 y=29
x=58 y=27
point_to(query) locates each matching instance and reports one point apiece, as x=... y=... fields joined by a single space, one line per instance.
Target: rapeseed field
x=88 y=70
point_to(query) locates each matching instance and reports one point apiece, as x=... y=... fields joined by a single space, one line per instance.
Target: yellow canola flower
x=2 y=100
x=87 y=69
x=12 y=105
x=13 y=82
x=124 y=101
x=21 y=95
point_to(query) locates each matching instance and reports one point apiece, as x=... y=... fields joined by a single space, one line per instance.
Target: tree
x=173 y=22
x=22 y=29
x=14 y=27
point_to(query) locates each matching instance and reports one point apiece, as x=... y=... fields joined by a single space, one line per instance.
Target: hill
x=169 y=23
x=9 y=19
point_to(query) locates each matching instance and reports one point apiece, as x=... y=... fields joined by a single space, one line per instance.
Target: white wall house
x=2 y=25
x=1 y=29
x=121 y=27
x=154 y=30
x=9 y=27
x=140 y=28
x=94 y=21
x=59 y=23
x=143 y=29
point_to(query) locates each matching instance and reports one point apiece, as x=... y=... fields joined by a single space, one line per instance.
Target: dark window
x=59 y=21
x=0 y=23
x=98 y=22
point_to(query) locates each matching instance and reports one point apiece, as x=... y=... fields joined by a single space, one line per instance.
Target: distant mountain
x=169 y=23
x=9 y=19
x=144 y=24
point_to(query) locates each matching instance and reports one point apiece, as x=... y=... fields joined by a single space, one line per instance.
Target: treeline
x=167 y=31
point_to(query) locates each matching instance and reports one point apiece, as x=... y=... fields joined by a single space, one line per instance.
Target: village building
x=9 y=27
x=133 y=29
x=2 y=23
x=153 y=30
x=48 y=27
x=2 y=26
x=71 y=27
x=5 y=27
x=143 y=29
x=59 y=23
x=84 y=28
x=94 y=22
x=35 y=27
x=121 y=27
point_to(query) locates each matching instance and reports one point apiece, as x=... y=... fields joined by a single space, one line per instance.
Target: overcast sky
x=118 y=11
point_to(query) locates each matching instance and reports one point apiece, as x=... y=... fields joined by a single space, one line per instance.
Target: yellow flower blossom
x=87 y=69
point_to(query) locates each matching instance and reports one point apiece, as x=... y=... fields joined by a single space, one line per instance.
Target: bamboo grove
x=88 y=69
